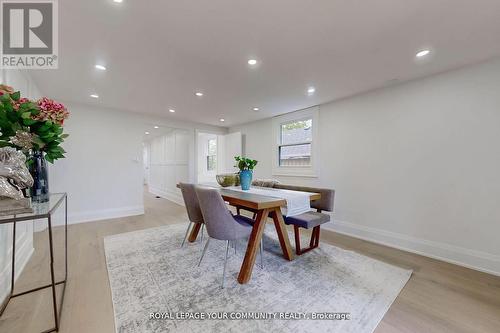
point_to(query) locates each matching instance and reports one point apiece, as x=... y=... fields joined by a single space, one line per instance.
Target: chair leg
x=313 y=243
x=254 y=216
x=202 y=227
x=204 y=250
x=317 y=236
x=187 y=233
x=261 y=254
x=297 y=240
x=238 y=210
x=225 y=262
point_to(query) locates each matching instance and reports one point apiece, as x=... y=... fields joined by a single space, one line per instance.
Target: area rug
x=157 y=287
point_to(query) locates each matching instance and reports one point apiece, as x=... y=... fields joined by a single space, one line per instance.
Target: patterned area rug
x=150 y=275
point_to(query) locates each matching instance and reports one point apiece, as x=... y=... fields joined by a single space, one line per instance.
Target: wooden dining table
x=264 y=206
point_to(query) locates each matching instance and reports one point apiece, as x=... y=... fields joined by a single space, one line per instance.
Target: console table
x=44 y=210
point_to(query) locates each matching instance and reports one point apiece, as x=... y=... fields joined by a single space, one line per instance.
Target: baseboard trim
x=473 y=259
x=174 y=197
x=104 y=214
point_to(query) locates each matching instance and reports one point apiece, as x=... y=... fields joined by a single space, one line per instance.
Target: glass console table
x=44 y=210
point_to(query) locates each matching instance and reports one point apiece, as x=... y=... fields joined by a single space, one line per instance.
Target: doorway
x=215 y=155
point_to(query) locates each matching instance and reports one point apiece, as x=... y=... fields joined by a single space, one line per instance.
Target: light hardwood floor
x=439 y=297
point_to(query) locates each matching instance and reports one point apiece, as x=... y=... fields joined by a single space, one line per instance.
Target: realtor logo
x=29 y=34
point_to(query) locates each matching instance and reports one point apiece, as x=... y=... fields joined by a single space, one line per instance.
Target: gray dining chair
x=221 y=224
x=193 y=209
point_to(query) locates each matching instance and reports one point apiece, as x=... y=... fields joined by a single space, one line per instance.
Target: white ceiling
x=154 y=132
x=158 y=53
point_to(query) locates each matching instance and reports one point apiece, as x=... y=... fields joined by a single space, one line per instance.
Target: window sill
x=295 y=173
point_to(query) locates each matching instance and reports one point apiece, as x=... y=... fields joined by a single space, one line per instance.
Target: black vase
x=40 y=173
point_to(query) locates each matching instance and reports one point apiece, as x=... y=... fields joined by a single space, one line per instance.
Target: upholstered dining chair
x=310 y=220
x=193 y=208
x=221 y=224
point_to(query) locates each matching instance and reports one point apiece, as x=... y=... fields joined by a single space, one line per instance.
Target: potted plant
x=35 y=128
x=246 y=166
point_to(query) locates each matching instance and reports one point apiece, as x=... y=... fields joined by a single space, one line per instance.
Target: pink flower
x=52 y=111
x=18 y=103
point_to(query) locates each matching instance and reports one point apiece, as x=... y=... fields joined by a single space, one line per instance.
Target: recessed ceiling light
x=156 y=127
x=118 y=1
x=199 y=94
x=252 y=62
x=222 y=119
x=311 y=91
x=100 y=67
x=147 y=133
x=422 y=53
x=256 y=109
x=171 y=110
x=94 y=96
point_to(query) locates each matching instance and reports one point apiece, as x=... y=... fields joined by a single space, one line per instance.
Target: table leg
x=52 y=275
x=13 y=276
x=194 y=232
x=65 y=240
x=253 y=246
x=279 y=224
x=65 y=281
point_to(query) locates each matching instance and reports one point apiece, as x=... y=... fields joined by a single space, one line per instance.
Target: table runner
x=297 y=202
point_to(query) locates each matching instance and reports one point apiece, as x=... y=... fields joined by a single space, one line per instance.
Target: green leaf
x=64 y=136
x=8 y=107
x=39 y=142
x=49 y=158
x=16 y=96
x=5 y=98
x=29 y=122
x=44 y=128
x=26 y=115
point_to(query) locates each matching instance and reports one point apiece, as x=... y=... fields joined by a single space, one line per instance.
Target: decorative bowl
x=227 y=179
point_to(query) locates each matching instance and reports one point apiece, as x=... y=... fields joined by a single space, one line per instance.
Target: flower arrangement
x=32 y=125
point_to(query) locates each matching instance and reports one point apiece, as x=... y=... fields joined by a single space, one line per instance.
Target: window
x=296 y=143
x=212 y=155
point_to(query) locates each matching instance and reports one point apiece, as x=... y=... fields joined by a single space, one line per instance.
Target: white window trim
x=296 y=171
x=207 y=154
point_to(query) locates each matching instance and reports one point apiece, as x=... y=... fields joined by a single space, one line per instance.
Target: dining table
x=264 y=206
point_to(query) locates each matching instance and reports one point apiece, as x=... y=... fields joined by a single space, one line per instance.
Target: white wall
x=169 y=163
x=102 y=171
x=415 y=166
x=103 y=168
x=21 y=81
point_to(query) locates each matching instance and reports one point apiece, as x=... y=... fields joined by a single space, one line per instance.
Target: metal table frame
x=53 y=283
